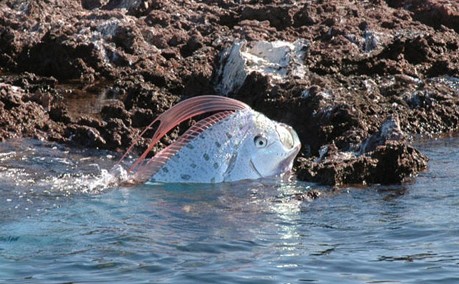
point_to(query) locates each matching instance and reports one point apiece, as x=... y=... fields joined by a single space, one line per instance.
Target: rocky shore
x=356 y=79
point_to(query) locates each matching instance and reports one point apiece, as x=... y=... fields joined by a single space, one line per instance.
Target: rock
x=11 y=96
x=142 y=117
x=117 y=134
x=59 y=113
x=20 y=116
x=432 y=12
x=278 y=16
x=91 y=122
x=397 y=162
x=336 y=172
x=85 y=136
x=276 y=60
x=390 y=130
x=393 y=162
x=194 y=43
x=307 y=196
x=115 y=109
x=383 y=158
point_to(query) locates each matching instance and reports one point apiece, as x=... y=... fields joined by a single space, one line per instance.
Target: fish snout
x=288 y=136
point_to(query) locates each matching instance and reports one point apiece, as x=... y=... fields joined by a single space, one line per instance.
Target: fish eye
x=260 y=141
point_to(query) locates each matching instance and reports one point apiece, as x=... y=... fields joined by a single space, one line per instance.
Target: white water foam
x=36 y=176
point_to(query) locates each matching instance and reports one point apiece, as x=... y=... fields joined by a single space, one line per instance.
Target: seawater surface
x=61 y=222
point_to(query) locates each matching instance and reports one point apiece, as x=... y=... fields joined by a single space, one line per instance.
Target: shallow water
x=60 y=223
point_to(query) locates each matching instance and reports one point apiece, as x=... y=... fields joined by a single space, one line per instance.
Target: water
x=61 y=223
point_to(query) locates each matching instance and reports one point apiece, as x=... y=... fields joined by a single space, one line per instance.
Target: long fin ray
x=155 y=163
x=177 y=114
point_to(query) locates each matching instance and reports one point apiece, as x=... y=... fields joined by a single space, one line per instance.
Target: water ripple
x=77 y=230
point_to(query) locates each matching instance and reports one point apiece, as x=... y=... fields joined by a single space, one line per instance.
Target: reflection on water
x=60 y=223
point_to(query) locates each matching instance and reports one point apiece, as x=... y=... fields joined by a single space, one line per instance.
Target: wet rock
x=310 y=195
x=336 y=171
x=393 y=162
x=85 y=136
x=19 y=117
x=397 y=162
x=144 y=95
x=116 y=134
x=384 y=158
x=390 y=130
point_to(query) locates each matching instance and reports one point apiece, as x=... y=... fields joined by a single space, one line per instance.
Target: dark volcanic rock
x=85 y=136
x=432 y=12
x=384 y=158
x=393 y=162
x=21 y=116
x=95 y=72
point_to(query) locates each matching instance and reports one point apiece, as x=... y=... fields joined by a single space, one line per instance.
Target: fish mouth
x=252 y=165
x=288 y=137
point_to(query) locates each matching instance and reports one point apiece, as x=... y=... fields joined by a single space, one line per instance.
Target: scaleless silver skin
x=234 y=144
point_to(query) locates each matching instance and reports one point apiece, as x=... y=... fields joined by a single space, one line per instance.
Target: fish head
x=273 y=146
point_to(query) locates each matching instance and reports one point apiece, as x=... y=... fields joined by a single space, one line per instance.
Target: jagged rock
x=383 y=158
x=276 y=60
x=85 y=136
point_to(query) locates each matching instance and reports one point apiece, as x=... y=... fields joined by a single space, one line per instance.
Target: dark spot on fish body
x=206 y=157
x=212 y=180
x=202 y=136
x=185 y=177
x=229 y=135
x=189 y=146
x=193 y=165
x=215 y=165
x=218 y=144
x=164 y=169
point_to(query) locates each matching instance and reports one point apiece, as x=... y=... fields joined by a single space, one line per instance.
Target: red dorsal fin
x=151 y=167
x=180 y=112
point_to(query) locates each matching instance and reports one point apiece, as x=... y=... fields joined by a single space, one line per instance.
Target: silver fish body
x=234 y=146
x=235 y=143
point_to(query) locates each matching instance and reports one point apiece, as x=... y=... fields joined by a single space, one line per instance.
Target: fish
x=234 y=143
